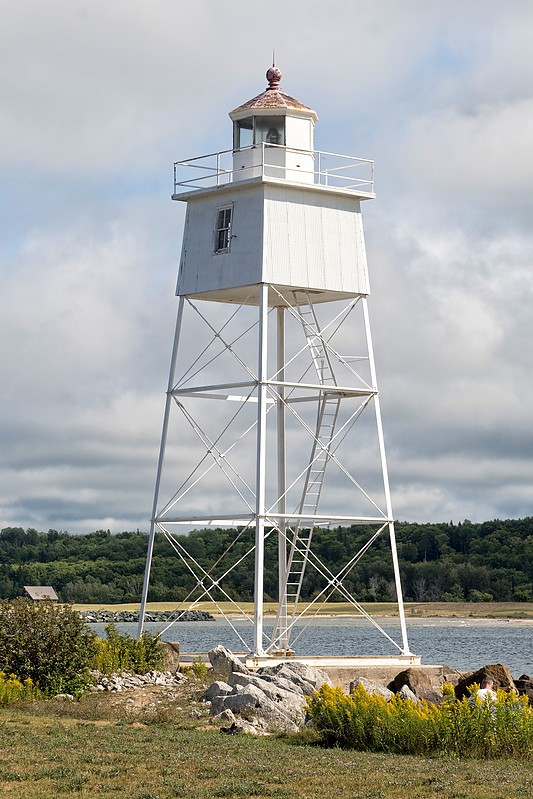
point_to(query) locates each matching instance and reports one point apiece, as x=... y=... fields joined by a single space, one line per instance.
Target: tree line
x=488 y=561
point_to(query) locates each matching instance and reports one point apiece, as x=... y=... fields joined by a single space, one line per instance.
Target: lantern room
x=276 y=131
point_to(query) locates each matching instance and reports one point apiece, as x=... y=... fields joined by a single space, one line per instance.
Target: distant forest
x=439 y=562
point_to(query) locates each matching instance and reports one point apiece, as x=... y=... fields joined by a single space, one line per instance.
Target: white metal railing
x=325 y=169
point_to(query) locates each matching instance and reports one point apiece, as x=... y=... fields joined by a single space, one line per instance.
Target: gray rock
x=273 y=699
x=259 y=710
x=218 y=705
x=225 y=717
x=218 y=688
x=300 y=674
x=304 y=688
x=127 y=681
x=106 y=616
x=371 y=687
x=406 y=693
x=225 y=662
x=293 y=703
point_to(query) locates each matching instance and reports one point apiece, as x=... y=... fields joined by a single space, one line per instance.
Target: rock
x=64 y=697
x=292 y=702
x=497 y=672
x=254 y=706
x=271 y=700
x=371 y=687
x=451 y=675
x=107 y=616
x=218 y=688
x=125 y=681
x=420 y=684
x=225 y=662
x=226 y=717
x=524 y=686
x=302 y=687
x=406 y=693
x=299 y=673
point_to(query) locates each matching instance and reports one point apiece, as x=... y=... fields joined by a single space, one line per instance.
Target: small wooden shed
x=39 y=593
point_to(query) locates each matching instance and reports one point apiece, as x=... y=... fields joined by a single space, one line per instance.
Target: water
x=461 y=644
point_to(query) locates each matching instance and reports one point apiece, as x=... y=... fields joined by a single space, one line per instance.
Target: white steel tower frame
x=318 y=386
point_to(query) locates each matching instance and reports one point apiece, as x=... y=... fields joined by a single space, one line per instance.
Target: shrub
x=46 y=643
x=13 y=690
x=198 y=669
x=121 y=652
x=368 y=722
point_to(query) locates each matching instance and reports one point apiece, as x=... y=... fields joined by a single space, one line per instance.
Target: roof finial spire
x=273 y=76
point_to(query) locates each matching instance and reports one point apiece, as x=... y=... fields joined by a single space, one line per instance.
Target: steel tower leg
x=162 y=449
x=260 y=503
x=282 y=537
x=396 y=566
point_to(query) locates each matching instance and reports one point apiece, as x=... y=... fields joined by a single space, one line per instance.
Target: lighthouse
x=272 y=424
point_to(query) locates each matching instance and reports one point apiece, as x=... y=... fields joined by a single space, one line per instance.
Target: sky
x=99 y=97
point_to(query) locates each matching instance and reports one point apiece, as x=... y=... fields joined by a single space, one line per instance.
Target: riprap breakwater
x=107 y=616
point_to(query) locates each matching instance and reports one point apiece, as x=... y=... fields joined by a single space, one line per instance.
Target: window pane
x=270 y=130
x=222 y=229
x=243 y=133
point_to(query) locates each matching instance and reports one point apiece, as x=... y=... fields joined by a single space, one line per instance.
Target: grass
x=112 y=745
x=44 y=756
x=420 y=610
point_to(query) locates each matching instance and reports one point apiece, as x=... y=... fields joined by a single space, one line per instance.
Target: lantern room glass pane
x=243 y=133
x=270 y=130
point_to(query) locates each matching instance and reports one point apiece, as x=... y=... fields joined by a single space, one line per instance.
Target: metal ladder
x=328 y=410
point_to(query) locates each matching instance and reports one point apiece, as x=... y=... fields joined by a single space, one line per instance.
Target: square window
x=222 y=237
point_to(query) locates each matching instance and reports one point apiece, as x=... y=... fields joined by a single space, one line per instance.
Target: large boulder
x=255 y=707
x=420 y=685
x=497 y=672
x=273 y=699
x=224 y=663
x=293 y=702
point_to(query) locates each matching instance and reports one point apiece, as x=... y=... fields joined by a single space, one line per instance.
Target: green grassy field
x=80 y=749
x=488 y=610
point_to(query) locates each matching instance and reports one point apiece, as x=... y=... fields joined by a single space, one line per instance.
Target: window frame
x=222 y=230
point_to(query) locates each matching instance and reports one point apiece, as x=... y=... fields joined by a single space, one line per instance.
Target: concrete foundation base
x=341 y=670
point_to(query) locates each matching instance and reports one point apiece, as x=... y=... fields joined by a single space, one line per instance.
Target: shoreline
x=414 y=611
x=437 y=619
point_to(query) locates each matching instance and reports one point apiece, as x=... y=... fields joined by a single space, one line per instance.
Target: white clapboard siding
x=300 y=237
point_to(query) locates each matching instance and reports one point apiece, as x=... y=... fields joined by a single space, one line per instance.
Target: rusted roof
x=38 y=592
x=272 y=97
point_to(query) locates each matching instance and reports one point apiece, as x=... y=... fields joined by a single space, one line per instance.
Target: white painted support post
x=162 y=449
x=282 y=534
x=260 y=483
x=381 y=441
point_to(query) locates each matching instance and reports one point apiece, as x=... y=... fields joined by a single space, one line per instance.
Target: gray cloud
x=98 y=98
